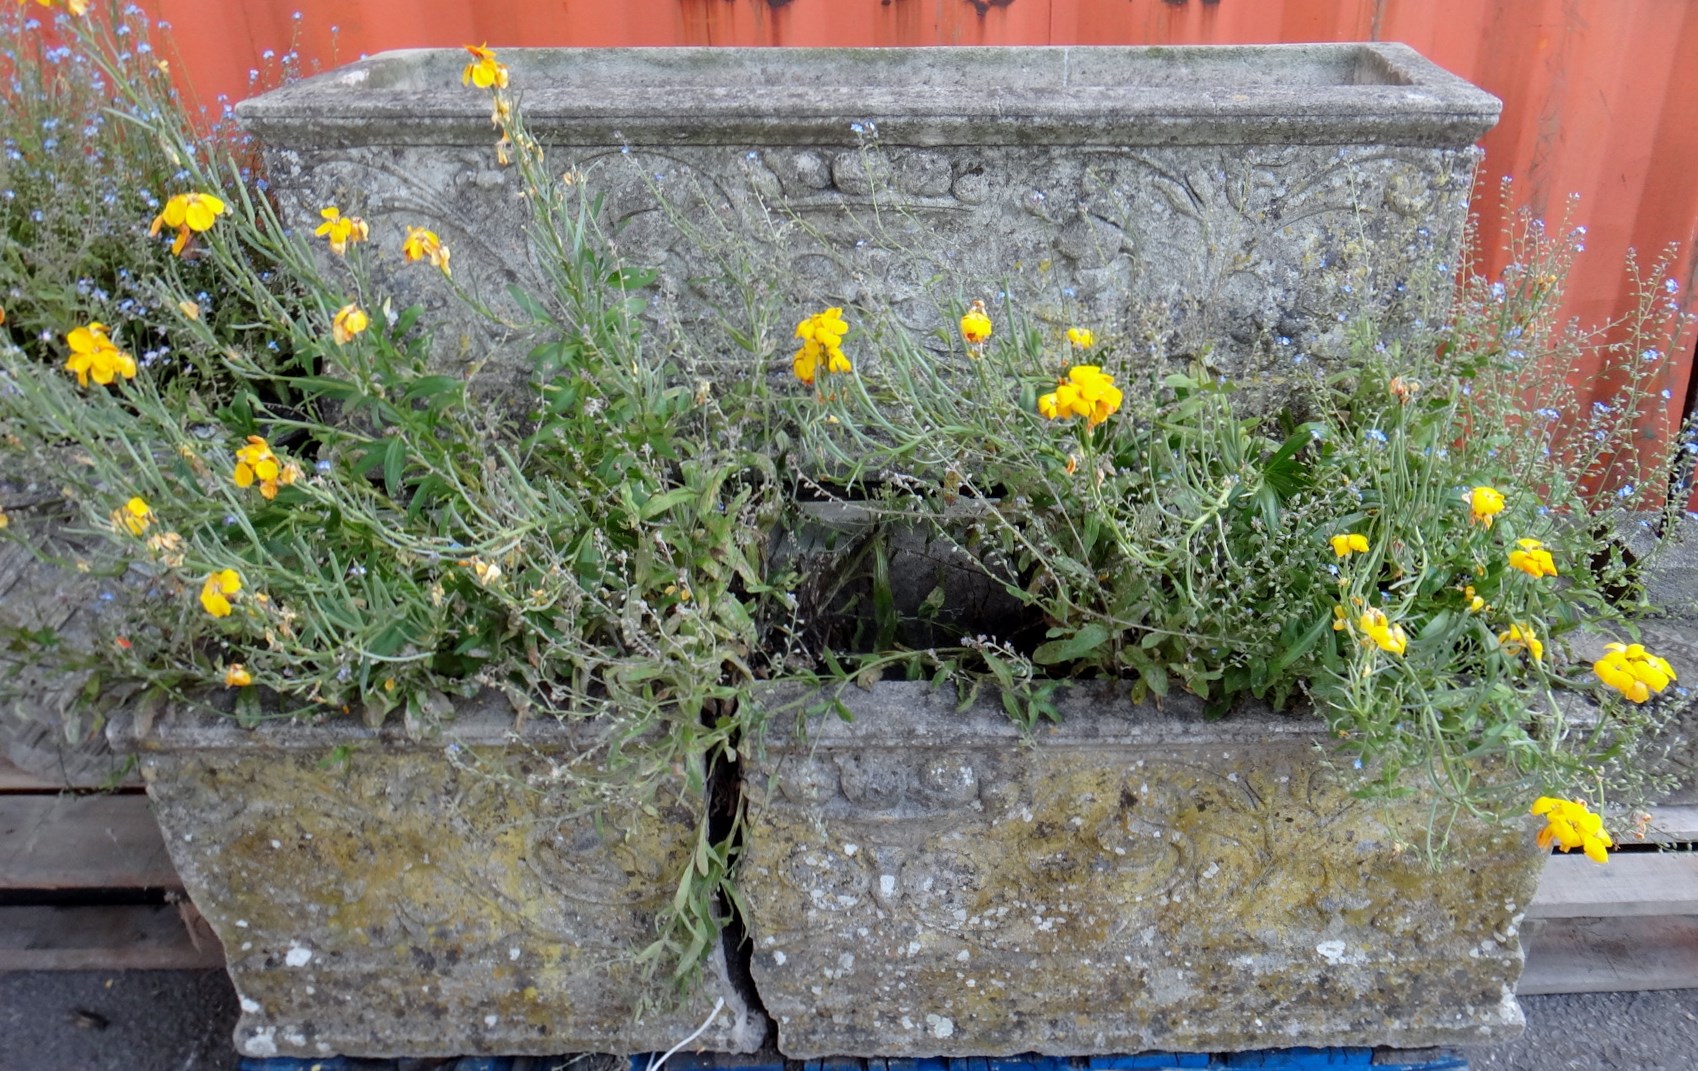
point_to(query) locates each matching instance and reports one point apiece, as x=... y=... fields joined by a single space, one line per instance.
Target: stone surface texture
x=1238 y=204
x=921 y=881
x=439 y=897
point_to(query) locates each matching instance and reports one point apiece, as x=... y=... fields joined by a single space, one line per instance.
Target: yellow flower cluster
x=1087 y=392
x=133 y=516
x=1531 y=557
x=188 y=212
x=1349 y=543
x=1633 y=671
x=236 y=675
x=1081 y=338
x=822 y=341
x=976 y=325
x=255 y=463
x=349 y=321
x=95 y=356
x=216 y=591
x=341 y=230
x=422 y=244
x=1520 y=639
x=1484 y=503
x=1380 y=631
x=483 y=71
x=1570 y=824
x=75 y=7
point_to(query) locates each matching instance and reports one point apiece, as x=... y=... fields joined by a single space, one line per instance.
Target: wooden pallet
x=1629 y=925
x=57 y=847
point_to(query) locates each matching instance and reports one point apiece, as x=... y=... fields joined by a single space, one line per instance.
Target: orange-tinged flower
x=1531 y=557
x=1570 y=824
x=1484 y=503
x=1521 y=639
x=422 y=244
x=1349 y=543
x=95 y=356
x=236 y=675
x=133 y=516
x=1086 y=392
x=822 y=343
x=976 y=325
x=483 y=71
x=341 y=230
x=1633 y=671
x=188 y=212
x=349 y=321
x=255 y=463
x=216 y=591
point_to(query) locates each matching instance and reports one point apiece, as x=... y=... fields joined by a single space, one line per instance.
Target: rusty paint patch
x=984 y=6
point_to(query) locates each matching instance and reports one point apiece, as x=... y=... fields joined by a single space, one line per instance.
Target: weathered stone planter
x=1241 y=202
x=442 y=896
x=922 y=882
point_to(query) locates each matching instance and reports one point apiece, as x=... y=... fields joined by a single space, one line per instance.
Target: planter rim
x=484 y=721
x=1077 y=95
x=903 y=714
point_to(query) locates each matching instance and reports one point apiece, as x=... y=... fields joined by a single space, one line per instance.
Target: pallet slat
x=106 y=938
x=1640 y=884
x=82 y=842
x=1609 y=955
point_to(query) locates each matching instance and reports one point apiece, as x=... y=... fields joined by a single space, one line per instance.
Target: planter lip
x=914 y=714
x=1074 y=95
x=487 y=720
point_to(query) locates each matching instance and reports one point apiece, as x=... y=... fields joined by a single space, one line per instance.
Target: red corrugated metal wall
x=1595 y=95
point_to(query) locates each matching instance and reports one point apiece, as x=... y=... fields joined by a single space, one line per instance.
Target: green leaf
x=1073 y=647
x=631 y=278
x=659 y=504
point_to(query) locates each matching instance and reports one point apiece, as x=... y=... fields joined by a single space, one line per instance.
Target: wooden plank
x=82 y=842
x=1609 y=955
x=1637 y=884
x=1669 y=825
x=153 y=937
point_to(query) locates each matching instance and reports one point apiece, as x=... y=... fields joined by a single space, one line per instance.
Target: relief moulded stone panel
x=924 y=882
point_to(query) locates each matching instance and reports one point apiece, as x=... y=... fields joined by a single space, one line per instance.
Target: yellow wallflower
x=5 y=521
x=236 y=675
x=483 y=71
x=255 y=463
x=1531 y=557
x=133 y=516
x=341 y=230
x=976 y=326
x=75 y=7
x=349 y=321
x=1633 y=671
x=1349 y=543
x=1473 y=600
x=1570 y=824
x=1404 y=389
x=1379 y=630
x=1520 y=639
x=1087 y=392
x=822 y=342
x=1484 y=503
x=216 y=591
x=95 y=356
x=422 y=244
x=188 y=212
x=1081 y=337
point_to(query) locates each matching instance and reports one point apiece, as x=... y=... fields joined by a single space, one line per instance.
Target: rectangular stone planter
x=922 y=882
x=382 y=896
x=1239 y=202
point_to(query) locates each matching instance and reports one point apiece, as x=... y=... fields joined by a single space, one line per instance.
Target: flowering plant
x=1422 y=538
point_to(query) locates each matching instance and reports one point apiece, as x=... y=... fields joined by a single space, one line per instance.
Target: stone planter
x=1239 y=202
x=922 y=882
x=381 y=896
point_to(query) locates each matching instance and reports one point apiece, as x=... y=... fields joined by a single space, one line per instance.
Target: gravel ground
x=182 y=1020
